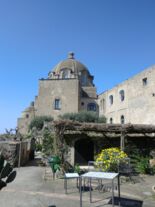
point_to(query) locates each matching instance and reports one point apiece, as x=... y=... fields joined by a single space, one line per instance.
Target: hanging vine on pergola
x=60 y=144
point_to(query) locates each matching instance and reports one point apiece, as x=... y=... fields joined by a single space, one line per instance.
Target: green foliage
x=77 y=168
x=7 y=136
x=68 y=116
x=83 y=116
x=38 y=121
x=55 y=163
x=48 y=142
x=38 y=147
x=56 y=167
x=102 y=119
x=141 y=164
x=7 y=174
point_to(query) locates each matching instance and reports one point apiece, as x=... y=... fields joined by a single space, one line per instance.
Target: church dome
x=70 y=63
x=71 y=68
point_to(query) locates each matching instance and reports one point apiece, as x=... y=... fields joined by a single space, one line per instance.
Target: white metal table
x=102 y=176
x=70 y=176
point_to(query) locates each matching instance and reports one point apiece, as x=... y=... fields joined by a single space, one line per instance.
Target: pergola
x=111 y=130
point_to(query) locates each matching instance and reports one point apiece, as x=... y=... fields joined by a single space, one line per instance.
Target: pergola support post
x=122 y=142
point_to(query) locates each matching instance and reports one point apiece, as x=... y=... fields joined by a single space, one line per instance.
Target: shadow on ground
x=85 y=188
x=127 y=202
x=52 y=206
x=36 y=162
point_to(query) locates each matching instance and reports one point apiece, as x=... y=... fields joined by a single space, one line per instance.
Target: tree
x=38 y=122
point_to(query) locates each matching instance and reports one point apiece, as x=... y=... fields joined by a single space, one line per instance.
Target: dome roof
x=70 y=63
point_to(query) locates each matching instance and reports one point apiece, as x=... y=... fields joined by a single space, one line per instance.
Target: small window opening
x=57 y=104
x=111 y=120
x=91 y=107
x=122 y=95
x=111 y=99
x=102 y=104
x=122 y=120
x=84 y=79
x=65 y=74
x=27 y=116
x=144 y=81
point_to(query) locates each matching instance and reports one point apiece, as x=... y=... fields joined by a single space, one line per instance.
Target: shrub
x=77 y=168
x=68 y=116
x=38 y=121
x=141 y=164
x=38 y=147
x=83 y=116
x=48 y=142
x=109 y=159
x=102 y=119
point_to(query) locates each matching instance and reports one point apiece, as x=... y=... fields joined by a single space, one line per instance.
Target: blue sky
x=115 y=39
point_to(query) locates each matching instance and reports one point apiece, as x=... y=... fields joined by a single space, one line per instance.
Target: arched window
x=83 y=79
x=102 y=104
x=111 y=100
x=122 y=95
x=144 y=81
x=111 y=120
x=27 y=116
x=122 y=119
x=91 y=107
x=65 y=73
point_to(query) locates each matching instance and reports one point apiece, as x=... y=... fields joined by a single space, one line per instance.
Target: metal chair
x=125 y=169
x=95 y=166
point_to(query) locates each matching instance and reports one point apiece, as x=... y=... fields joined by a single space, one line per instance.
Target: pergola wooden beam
x=109 y=128
x=121 y=130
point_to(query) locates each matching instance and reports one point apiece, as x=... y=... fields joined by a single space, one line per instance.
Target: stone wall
x=138 y=105
x=15 y=148
x=66 y=91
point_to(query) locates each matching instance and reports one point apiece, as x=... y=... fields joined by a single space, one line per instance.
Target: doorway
x=84 y=151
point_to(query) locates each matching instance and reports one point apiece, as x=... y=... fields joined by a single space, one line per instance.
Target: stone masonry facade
x=132 y=101
x=69 y=88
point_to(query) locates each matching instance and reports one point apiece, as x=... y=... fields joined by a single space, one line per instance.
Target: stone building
x=68 y=88
x=132 y=101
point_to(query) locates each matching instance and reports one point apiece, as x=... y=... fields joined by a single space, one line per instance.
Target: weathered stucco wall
x=66 y=91
x=138 y=106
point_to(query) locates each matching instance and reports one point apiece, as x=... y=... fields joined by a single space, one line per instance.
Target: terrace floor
x=30 y=189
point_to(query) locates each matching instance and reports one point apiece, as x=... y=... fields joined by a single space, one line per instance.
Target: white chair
x=69 y=176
